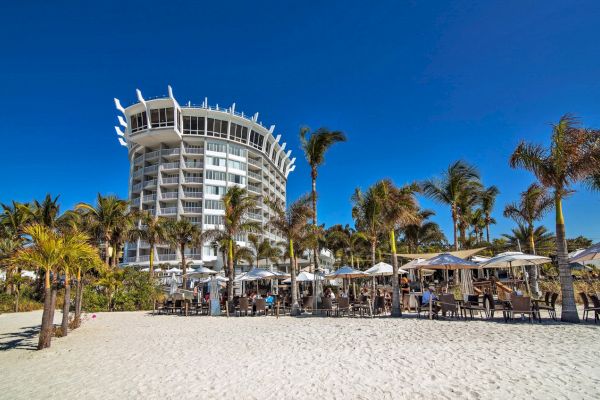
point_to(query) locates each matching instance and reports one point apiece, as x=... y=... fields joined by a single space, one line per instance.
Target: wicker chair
x=522 y=305
x=448 y=305
x=326 y=306
x=550 y=307
x=307 y=303
x=260 y=306
x=596 y=307
x=343 y=306
x=244 y=306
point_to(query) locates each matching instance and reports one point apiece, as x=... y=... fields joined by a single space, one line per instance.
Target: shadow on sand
x=25 y=338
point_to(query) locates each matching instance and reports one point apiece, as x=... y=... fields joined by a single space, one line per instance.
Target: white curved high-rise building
x=183 y=158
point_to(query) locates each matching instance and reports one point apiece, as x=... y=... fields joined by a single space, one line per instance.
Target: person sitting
x=269 y=300
x=430 y=295
x=344 y=294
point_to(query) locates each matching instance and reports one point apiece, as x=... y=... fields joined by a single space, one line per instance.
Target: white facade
x=183 y=158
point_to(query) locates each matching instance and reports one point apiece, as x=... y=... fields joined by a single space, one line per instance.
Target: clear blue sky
x=415 y=86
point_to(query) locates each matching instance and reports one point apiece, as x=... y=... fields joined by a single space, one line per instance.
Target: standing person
x=405 y=291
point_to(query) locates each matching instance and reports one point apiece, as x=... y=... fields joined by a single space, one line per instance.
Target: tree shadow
x=23 y=339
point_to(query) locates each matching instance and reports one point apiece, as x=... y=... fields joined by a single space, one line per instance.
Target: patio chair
x=522 y=305
x=448 y=305
x=343 y=306
x=379 y=305
x=244 y=306
x=178 y=306
x=327 y=306
x=491 y=306
x=260 y=306
x=472 y=306
x=550 y=307
x=307 y=303
x=596 y=307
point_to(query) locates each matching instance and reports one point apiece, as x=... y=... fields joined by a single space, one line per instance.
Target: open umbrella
x=200 y=272
x=256 y=274
x=512 y=259
x=346 y=273
x=304 y=277
x=446 y=261
x=589 y=254
x=383 y=269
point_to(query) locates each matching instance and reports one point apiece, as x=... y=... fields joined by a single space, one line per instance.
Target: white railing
x=254 y=189
x=152 y=154
x=138 y=172
x=254 y=162
x=151 y=168
x=138 y=159
x=168 y=210
x=193 y=179
x=254 y=175
x=137 y=187
x=170 y=152
x=192 y=210
x=167 y=257
x=171 y=165
x=168 y=195
x=149 y=197
x=151 y=182
x=254 y=216
x=192 y=195
x=194 y=150
x=173 y=179
x=194 y=164
x=143 y=258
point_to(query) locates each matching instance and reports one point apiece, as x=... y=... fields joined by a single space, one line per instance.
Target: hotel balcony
x=168 y=210
x=170 y=152
x=193 y=150
x=192 y=210
x=168 y=195
x=168 y=166
x=192 y=195
x=150 y=198
x=192 y=179
x=150 y=183
x=174 y=180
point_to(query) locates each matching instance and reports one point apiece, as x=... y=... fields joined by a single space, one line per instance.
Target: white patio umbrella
x=383 y=269
x=173 y=270
x=200 y=272
x=304 y=277
x=346 y=273
x=255 y=274
x=512 y=259
x=218 y=278
x=589 y=254
x=447 y=261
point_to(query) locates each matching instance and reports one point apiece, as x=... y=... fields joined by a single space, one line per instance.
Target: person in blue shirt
x=428 y=294
x=270 y=300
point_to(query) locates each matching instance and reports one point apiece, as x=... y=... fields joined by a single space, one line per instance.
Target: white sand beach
x=137 y=355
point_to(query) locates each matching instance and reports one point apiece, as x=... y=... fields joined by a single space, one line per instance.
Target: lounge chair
x=472 y=306
x=343 y=306
x=550 y=307
x=522 y=305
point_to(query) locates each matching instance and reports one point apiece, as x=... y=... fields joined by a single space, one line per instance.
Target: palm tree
x=400 y=208
x=238 y=203
x=13 y=219
x=488 y=200
x=292 y=224
x=181 y=234
x=521 y=237
x=49 y=250
x=423 y=232
x=534 y=204
x=315 y=148
x=105 y=218
x=153 y=232
x=263 y=250
x=346 y=239
x=81 y=269
x=452 y=188
x=367 y=212
x=573 y=156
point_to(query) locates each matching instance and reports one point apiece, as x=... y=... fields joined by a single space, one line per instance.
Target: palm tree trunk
x=45 y=331
x=17 y=299
x=66 y=306
x=78 y=299
x=373 y=251
x=454 y=228
x=106 y=246
x=314 y=206
x=183 y=265
x=532 y=270
x=230 y=270
x=151 y=258
x=569 y=309
x=295 y=305
x=487 y=232
x=396 y=312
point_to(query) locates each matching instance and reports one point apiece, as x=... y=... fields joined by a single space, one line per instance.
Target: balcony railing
x=138 y=172
x=138 y=159
x=254 y=216
x=150 y=168
x=194 y=164
x=192 y=195
x=193 y=179
x=167 y=257
x=152 y=154
x=254 y=189
x=149 y=198
x=170 y=152
x=192 y=210
x=254 y=175
x=136 y=201
x=168 y=210
x=151 y=182
x=254 y=162
x=167 y=180
x=168 y=195
x=137 y=187
x=143 y=258
x=194 y=150
x=171 y=165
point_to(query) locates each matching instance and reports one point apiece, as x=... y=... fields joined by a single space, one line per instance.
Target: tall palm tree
x=488 y=200
x=292 y=224
x=346 y=239
x=451 y=189
x=315 y=146
x=573 y=156
x=263 y=250
x=521 y=237
x=13 y=219
x=152 y=231
x=105 y=218
x=238 y=203
x=400 y=208
x=423 y=232
x=181 y=234
x=367 y=212
x=50 y=251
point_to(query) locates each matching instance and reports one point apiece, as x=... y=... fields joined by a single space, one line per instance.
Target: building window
x=238 y=133
x=237 y=151
x=218 y=147
x=236 y=165
x=214 y=205
x=162 y=117
x=239 y=179
x=213 y=219
x=216 y=161
x=139 y=122
x=256 y=140
x=193 y=125
x=216 y=128
x=268 y=148
x=215 y=175
x=218 y=190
